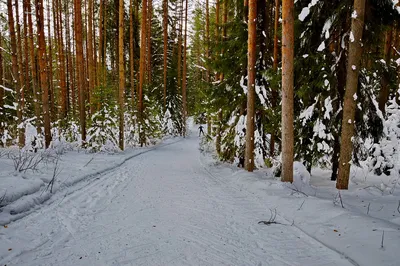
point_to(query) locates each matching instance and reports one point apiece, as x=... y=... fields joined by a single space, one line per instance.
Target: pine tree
x=249 y=156
x=349 y=107
x=287 y=90
x=184 y=74
x=15 y=71
x=142 y=67
x=80 y=65
x=42 y=70
x=121 y=74
x=165 y=33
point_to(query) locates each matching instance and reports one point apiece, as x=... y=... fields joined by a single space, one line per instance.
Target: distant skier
x=201 y=130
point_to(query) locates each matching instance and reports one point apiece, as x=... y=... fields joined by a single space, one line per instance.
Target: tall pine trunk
x=80 y=66
x=32 y=58
x=42 y=70
x=1 y=84
x=61 y=62
x=274 y=96
x=184 y=74
x=142 y=68
x=121 y=73
x=180 y=44
x=132 y=52
x=148 y=37
x=165 y=32
x=15 y=71
x=384 y=92
x=251 y=79
x=19 y=57
x=287 y=90
x=90 y=51
x=349 y=106
x=208 y=58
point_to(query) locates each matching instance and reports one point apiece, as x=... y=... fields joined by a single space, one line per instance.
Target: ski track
x=161 y=208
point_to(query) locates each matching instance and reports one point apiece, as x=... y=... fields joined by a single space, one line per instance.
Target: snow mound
x=300 y=174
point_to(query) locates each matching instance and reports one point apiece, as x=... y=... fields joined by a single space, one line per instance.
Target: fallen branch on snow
x=272 y=219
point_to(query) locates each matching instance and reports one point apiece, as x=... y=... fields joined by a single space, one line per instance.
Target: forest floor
x=175 y=205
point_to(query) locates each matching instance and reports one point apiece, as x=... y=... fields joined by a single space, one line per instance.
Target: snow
x=321 y=47
x=327 y=27
x=175 y=205
x=351 y=36
x=304 y=13
x=306 y=10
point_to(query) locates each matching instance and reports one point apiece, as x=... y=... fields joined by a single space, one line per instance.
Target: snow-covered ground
x=175 y=205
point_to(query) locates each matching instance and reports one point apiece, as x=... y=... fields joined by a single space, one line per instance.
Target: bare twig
x=301 y=205
x=272 y=218
x=3 y=197
x=24 y=161
x=296 y=190
x=369 y=204
x=56 y=172
x=383 y=238
x=89 y=162
x=338 y=199
x=398 y=207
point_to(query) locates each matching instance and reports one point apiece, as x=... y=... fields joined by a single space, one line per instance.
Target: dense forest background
x=104 y=75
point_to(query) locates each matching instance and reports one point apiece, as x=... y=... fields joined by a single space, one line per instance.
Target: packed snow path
x=160 y=208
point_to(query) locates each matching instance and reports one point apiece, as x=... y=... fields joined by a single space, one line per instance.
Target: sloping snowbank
x=23 y=192
x=316 y=210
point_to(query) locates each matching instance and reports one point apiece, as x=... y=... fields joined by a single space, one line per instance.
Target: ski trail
x=162 y=208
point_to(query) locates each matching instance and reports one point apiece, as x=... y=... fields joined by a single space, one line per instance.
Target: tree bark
x=251 y=78
x=121 y=73
x=80 y=66
x=149 y=42
x=142 y=67
x=15 y=71
x=287 y=90
x=165 y=31
x=50 y=67
x=180 y=44
x=35 y=87
x=349 y=106
x=274 y=95
x=42 y=70
x=1 y=83
x=184 y=73
x=132 y=52
x=61 y=62
x=90 y=51
x=384 y=92
x=19 y=57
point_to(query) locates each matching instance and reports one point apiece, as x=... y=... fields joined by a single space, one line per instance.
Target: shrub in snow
x=102 y=135
x=33 y=140
x=169 y=127
x=384 y=155
x=131 y=130
x=5 y=136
